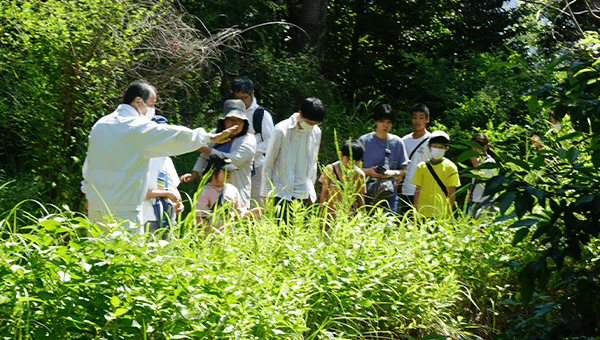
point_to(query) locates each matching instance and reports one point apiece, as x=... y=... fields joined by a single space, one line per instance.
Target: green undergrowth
x=377 y=277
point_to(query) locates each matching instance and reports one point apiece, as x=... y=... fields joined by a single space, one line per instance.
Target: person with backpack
x=416 y=144
x=261 y=125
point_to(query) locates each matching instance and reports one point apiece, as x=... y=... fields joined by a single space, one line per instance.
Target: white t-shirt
x=486 y=173
x=161 y=175
x=421 y=155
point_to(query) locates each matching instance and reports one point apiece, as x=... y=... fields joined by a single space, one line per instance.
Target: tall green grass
x=377 y=277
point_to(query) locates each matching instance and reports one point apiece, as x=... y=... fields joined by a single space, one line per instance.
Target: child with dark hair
x=477 y=202
x=385 y=156
x=345 y=176
x=436 y=180
x=290 y=167
x=217 y=192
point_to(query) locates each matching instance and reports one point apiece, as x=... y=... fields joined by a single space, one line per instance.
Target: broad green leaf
x=520 y=235
x=506 y=199
x=526 y=222
x=584 y=199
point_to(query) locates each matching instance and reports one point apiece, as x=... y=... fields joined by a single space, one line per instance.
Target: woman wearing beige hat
x=240 y=149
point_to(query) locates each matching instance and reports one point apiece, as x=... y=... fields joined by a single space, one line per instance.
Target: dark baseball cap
x=220 y=163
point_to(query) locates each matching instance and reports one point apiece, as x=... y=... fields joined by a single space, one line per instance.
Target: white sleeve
x=242 y=153
x=271 y=156
x=161 y=140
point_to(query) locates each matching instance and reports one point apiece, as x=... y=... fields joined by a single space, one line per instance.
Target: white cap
x=439 y=133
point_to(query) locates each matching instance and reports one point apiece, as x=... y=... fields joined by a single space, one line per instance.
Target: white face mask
x=306 y=126
x=149 y=112
x=437 y=153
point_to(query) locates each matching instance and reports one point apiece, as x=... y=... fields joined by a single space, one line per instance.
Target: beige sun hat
x=234 y=108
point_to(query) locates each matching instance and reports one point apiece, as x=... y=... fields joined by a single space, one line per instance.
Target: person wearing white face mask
x=436 y=180
x=290 y=166
x=119 y=151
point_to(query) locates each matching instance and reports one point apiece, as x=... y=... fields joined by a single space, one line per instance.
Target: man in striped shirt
x=290 y=166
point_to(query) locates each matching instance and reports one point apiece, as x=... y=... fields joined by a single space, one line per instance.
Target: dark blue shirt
x=375 y=151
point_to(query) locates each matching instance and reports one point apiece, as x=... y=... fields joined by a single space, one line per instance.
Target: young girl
x=477 y=201
x=218 y=199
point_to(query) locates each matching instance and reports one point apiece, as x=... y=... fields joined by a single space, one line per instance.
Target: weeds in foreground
x=367 y=277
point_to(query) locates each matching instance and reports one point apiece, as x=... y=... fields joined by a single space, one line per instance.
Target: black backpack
x=257 y=119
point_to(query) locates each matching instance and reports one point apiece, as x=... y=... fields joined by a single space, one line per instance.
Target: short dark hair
x=419 y=107
x=242 y=84
x=358 y=149
x=313 y=109
x=383 y=112
x=138 y=88
x=439 y=140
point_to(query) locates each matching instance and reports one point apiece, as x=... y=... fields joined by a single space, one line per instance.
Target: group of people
x=246 y=159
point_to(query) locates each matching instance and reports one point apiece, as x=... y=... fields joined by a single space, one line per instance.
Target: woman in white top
x=240 y=149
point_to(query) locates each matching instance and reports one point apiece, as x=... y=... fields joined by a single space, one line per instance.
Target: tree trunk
x=313 y=20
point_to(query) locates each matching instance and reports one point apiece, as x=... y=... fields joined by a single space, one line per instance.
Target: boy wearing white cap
x=436 y=180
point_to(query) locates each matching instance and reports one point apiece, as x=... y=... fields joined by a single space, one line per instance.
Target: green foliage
x=57 y=65
x=555 y=196
x=365 y=277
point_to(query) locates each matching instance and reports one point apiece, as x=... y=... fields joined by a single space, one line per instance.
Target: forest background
x=480 y=66
x=65 y=64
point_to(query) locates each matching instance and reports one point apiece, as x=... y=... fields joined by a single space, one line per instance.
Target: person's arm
x=362 y=190
x=269 y=165
x=451 y=191
x=189 y=176
x=267 y=132
x=240 y=153
x=168 y=140
x=416 y=196
x=173 y=195
x=325 y=181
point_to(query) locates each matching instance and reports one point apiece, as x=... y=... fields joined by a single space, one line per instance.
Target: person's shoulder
x=407 y=136
x=422 y=164
x=247 y=139
x=395 y=139
x=448 y=163
x=366 y=137
x=231 y=190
